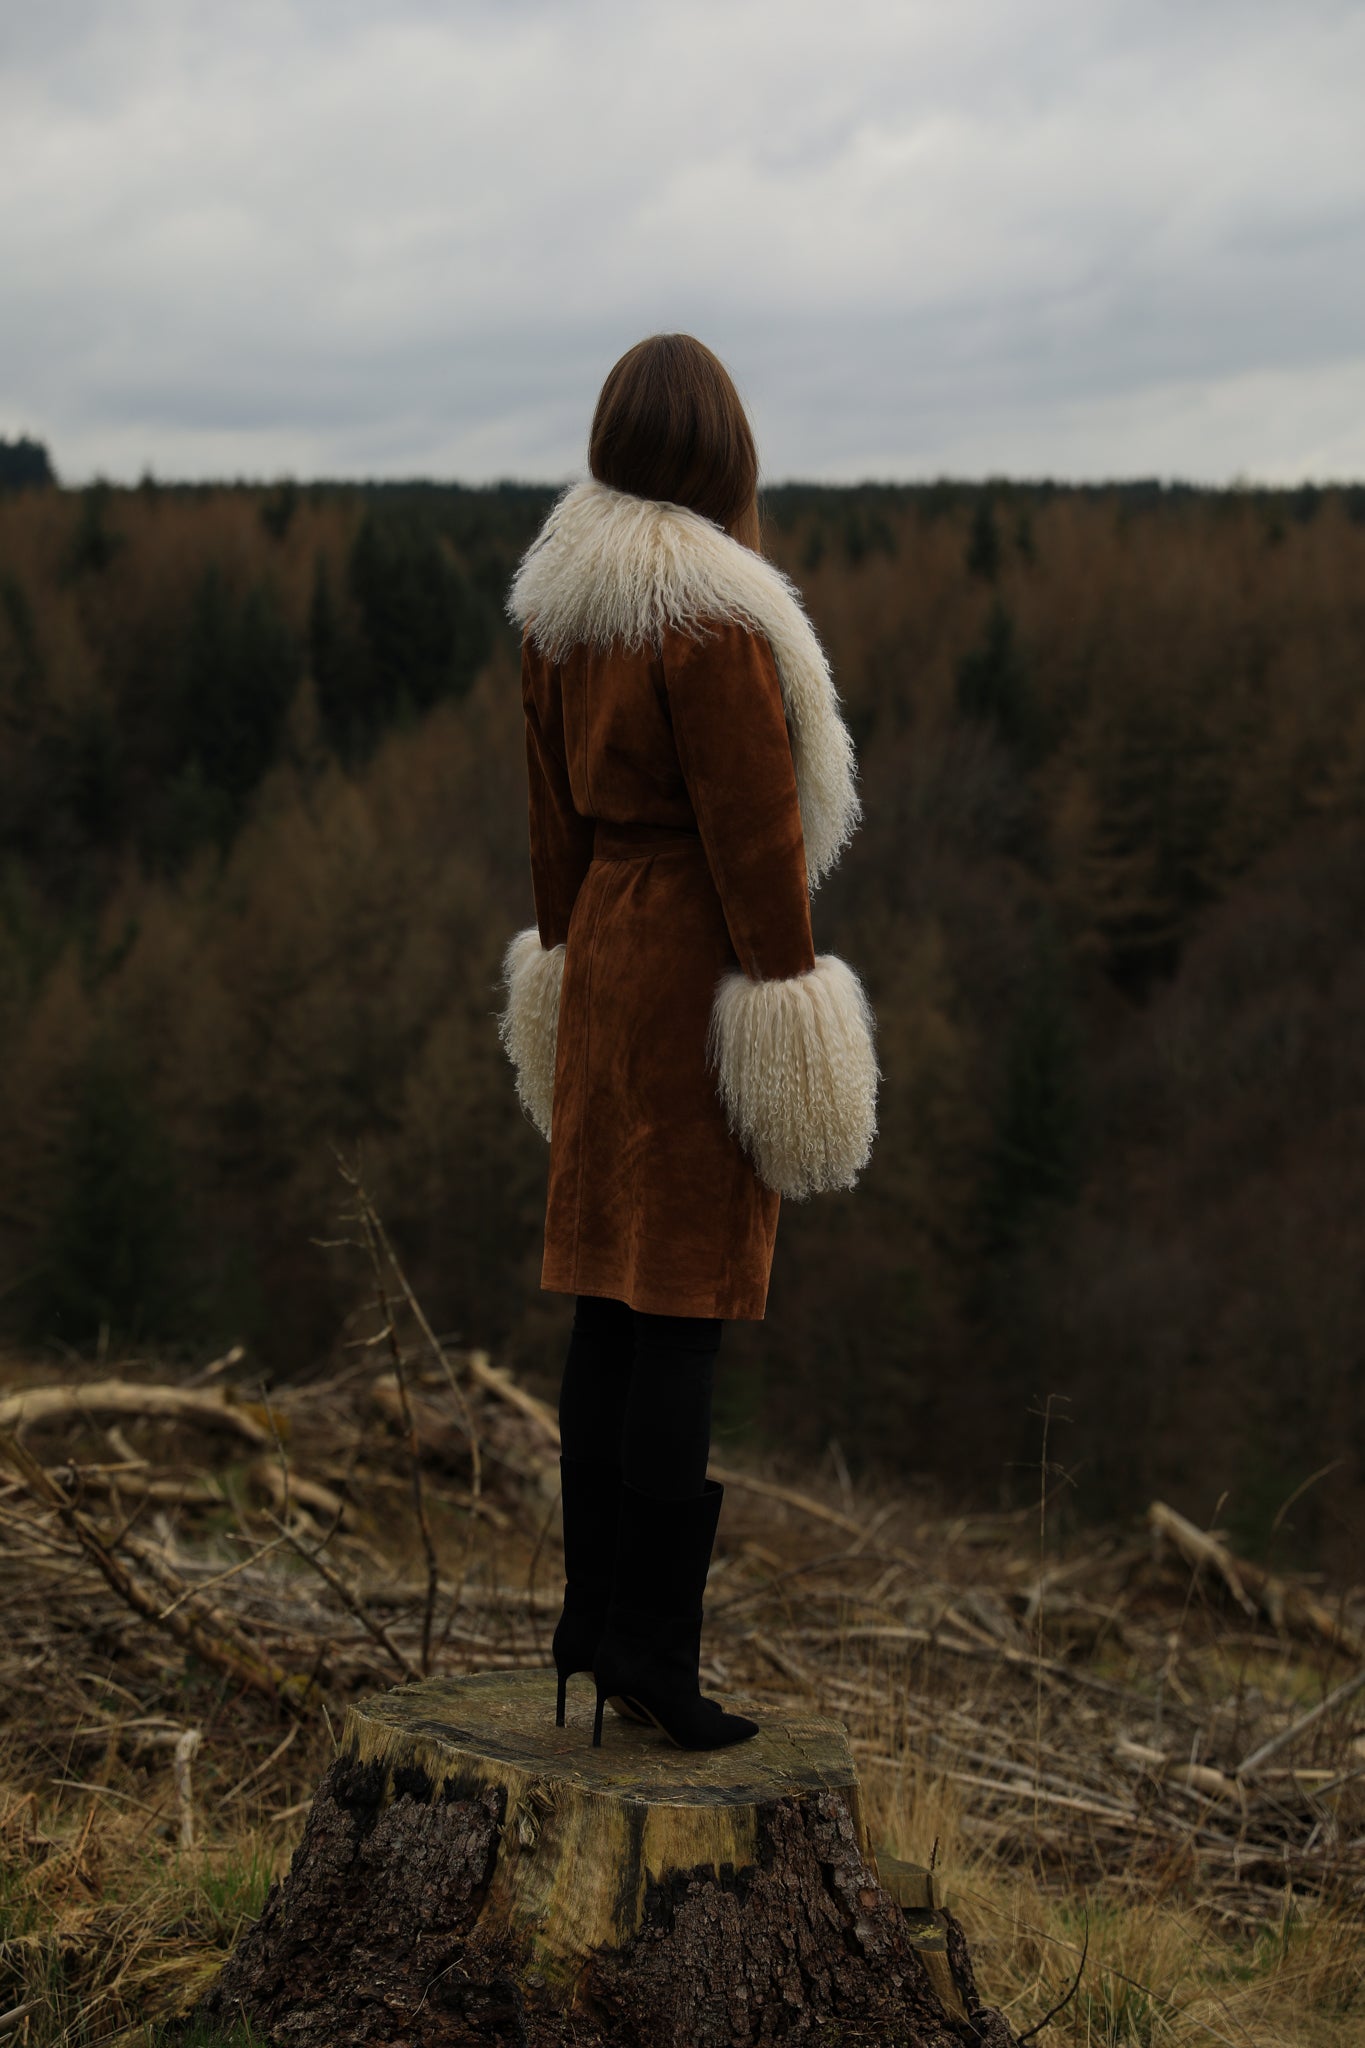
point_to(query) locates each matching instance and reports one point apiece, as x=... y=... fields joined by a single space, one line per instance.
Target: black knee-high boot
x=591 y=1416
x=649 y=1653
x=592 y=1507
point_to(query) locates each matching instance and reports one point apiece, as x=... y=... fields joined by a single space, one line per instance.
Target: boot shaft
x=663 y=1555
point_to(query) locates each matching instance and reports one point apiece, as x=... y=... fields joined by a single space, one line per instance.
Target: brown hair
x=670 y=424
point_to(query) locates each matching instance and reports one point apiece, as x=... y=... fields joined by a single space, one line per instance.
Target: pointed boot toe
x=649 y=1655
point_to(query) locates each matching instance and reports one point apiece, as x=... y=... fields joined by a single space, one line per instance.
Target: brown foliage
x=1119 y=1164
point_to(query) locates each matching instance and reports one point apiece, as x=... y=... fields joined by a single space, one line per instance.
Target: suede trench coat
x=675 y=1036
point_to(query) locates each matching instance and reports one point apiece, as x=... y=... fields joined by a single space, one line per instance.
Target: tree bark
x=470 y=1874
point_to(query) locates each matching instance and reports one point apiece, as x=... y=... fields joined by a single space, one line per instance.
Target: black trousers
x=636 y=1395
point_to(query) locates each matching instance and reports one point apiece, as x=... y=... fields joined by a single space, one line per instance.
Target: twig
x=381 y=1252
x=1064 y=2001
x=185 y=1748
x=1346 y=1691
x=438 y=1349
x=276 y=1753
x=409 y=1424
x=219 y=1578
x=230 y=1656
x=348 y=1600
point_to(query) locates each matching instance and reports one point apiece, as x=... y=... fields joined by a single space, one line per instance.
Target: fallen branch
x=227 y=1653
x=498 y=1382
x=285 y=1486
x=1346 y=1691
x=790 y=1496
x=124 y=1397
x=1253 y=1588
x=1199 y=1549
x=494 y=1380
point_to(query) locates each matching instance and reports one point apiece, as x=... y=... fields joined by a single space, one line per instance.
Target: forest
x=263 y=839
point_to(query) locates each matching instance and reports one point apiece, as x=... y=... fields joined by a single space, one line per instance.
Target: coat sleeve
x=561 y=851
x=791 y=1037
x=561 y=838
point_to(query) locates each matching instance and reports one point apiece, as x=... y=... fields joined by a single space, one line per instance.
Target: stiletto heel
x=597 y=1720
x=648 y=1659
x=592 y=1501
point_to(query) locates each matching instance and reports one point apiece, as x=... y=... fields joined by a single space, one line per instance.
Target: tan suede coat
x=666 y=850
x=670 y=875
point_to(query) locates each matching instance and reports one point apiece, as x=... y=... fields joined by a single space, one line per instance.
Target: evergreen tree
x=813 y=554
x=339 y=669
x=1035 y=1153
x=277 y=511
x=21 y=665
x=983 y=544
x=1161 y=777
x=114 y=1242
x=240 y=670
x=993 y=685
x=94 y=542
x=24 y=465
x=92 y=771
x=426 y=633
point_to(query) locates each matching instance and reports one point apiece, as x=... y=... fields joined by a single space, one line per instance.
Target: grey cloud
x=317 y=238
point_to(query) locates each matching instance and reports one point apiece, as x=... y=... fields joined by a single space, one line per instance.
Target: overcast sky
x=972 y=237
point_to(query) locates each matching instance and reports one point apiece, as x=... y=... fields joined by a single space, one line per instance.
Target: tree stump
x=470 y=1873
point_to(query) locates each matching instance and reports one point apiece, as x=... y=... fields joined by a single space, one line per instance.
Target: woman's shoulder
x=714 y=636
x=717 y=658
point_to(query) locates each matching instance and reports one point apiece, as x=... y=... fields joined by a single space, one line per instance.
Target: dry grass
x=1066 y=1733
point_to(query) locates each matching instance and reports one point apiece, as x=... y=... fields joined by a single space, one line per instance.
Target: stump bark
x=470 y=1873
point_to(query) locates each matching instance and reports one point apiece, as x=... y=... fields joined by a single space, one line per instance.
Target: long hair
x=670 y=424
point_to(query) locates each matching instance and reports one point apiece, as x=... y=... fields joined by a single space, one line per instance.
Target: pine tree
x=425 y=630
x=241 y=667
x=24 y=465
x=983 y=544
x=94 y=542
x=115 y=1240
x=1036 y=1147
x=339 y=669
x=993 y=685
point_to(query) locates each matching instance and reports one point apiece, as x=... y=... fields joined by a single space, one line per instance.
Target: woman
x=674 y=1034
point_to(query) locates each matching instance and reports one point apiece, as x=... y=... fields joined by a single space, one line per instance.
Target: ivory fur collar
x=607 y=566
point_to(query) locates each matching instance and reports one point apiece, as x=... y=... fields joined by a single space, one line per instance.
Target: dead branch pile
x=1144 y=1703
x=181 y=1561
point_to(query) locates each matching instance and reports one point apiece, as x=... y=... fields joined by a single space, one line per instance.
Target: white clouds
x=992 y=236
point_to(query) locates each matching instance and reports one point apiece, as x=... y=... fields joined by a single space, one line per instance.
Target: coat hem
x=660 y=1302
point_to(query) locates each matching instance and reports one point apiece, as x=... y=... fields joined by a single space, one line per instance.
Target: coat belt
x=638 y=841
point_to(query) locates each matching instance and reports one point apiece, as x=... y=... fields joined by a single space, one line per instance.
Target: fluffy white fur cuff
x=797 y=1073
x=529 y=1026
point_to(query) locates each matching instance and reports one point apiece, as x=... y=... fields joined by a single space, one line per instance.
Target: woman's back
x=676 y=1037
x=611 y=705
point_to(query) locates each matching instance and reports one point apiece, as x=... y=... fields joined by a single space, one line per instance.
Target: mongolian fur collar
x=610 y=567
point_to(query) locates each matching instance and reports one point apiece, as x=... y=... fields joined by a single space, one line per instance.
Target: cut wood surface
x=467 y=1863
x=586 y=1830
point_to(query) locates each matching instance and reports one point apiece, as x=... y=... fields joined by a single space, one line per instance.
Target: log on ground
x=471 y=1874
